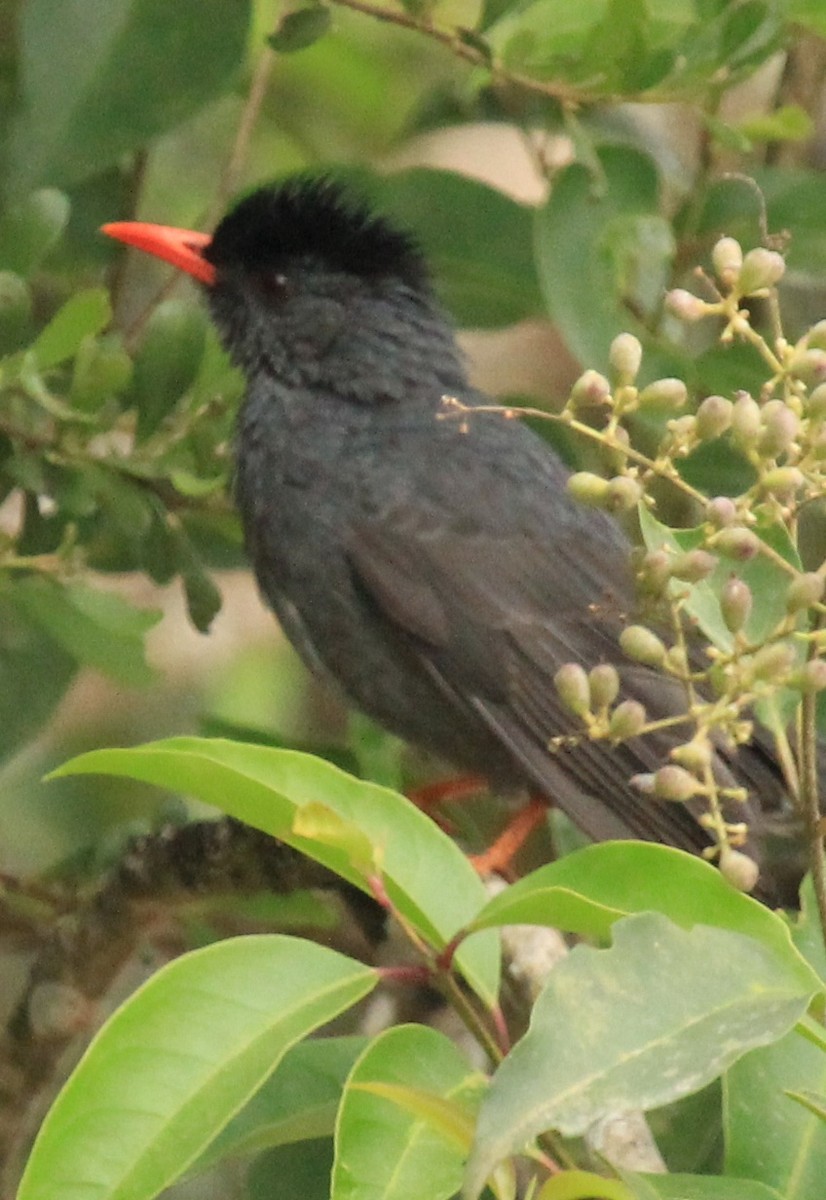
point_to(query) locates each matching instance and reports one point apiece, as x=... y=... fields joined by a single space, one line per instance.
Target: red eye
x=275 y=286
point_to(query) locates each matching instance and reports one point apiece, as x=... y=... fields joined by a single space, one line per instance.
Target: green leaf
x=297 y=1103
x=292 y=1172
x=583 y=1185
x=406 y=1119
x=588 y=891
x=15 y=312
x=30 y=228
x=769 y=1136
x=203 y=599
x=99 y=81
x=98 y=628
x=603 y=252
x=789 y=123
x=301 y=28
x=812 y=1102
x=477 y=240
x=167 y=362
x=83 y=314
x=35 y=671
x=168 y=1071
x=767 y=580
x=427 y=877
x=102 y=369
x=704 y=1187
x=594 y=1048
x=809 y=13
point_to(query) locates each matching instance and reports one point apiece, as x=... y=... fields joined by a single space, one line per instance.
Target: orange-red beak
x=181 y=247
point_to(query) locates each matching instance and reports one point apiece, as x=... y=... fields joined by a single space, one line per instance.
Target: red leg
x=498 y=858
x=459 y=788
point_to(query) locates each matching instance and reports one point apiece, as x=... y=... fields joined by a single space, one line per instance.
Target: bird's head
x=296 y=270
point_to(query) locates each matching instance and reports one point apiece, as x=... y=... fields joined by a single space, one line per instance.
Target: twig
x=810 y=797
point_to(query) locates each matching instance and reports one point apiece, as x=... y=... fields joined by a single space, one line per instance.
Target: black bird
x=433 y=567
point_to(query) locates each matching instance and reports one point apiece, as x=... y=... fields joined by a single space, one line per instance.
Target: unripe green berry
x=665 y=393
x=782 y=482
x=713 y=417
x=695 y=756
x=588 y=488
x=810 y=366
x=737 y=542
x=590 y=389
x=623 y=494
x=804 y=591
x=816 y=402
x=811 y=677
x=654 y=572
x=685 y=305
x=573 y=689
x=693 y=566
x=604 y=683
x=675 y=783
x=642 y=645
x=727 y=259
x=780 y=427
x=721 y=512
x=625 y=357
x=773 y=663
x=761 y=269
x=745 y=420
x=735 y=603
x=738 y=869
x=816 y=336
x=627 y=720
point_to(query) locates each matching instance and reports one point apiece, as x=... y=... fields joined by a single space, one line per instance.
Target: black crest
x=314 y=217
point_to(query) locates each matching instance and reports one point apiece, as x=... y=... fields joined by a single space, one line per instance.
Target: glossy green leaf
x=177 y=1060
x=98 y=81
x=594 y=1049
x=98 y=628
x=587 y=891
x=297 y=1103
x=426 y=875
x=85 y=313
x=406 y=1119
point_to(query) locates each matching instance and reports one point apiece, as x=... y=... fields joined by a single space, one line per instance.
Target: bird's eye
x=275 y=286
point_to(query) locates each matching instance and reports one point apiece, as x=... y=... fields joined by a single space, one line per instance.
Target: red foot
x=498 y=858
x=459 y=788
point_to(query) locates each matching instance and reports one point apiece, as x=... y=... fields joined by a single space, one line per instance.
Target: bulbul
x=432 y=565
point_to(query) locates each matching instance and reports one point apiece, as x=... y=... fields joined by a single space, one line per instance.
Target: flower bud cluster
x=657 y=568
x=591 y=696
